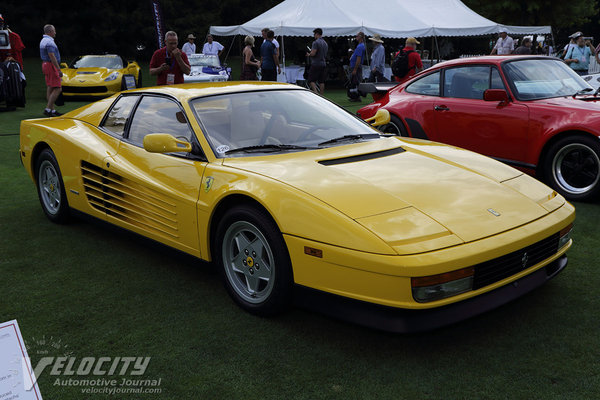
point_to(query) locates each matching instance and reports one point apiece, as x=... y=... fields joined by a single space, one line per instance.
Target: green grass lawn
x=101 y=291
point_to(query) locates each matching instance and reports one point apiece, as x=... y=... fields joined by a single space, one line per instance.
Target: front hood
x=569 y=102
x=86 y=76
x=414 y=189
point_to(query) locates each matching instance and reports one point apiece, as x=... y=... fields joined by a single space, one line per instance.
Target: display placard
x=17 y=380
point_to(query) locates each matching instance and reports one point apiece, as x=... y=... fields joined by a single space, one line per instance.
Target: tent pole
x=437 y=48
x=230 y=46
x=283 y=53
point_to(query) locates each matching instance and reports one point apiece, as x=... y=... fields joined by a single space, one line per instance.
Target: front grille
x=129 y=202
x=84 y=89
x=507 y=265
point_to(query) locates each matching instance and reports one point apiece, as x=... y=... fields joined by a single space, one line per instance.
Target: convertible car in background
x=206 y=68
x=293 y=198
x=99 y=76
x=533 y=113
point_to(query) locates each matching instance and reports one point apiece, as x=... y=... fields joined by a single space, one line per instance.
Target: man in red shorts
x=169 y=63
x=51 y=67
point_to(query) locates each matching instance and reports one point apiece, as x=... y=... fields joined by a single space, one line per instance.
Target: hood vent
x=129 y=202
x=86 y=72
x=363 y=157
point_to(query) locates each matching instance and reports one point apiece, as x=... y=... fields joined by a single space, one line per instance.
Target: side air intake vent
x=128 y=201
x=363 y=157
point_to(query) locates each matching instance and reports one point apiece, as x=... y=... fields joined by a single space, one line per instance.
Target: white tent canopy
x=389 y=18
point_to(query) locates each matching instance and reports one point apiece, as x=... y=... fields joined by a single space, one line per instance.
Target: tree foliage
x=559 y=14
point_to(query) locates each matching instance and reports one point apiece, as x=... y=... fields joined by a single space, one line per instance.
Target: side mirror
x=382 y=117
x=165 y=143
x=63 y=65
x=498 y=95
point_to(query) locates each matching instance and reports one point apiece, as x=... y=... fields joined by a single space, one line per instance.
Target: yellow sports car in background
x=295 y=199
x=99 y=76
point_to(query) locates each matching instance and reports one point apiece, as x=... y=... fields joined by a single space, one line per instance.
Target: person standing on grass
x=318 y=66
x=169 y=63
x=269 y=63
x=356 y=61
x=51 y=68
x=505 y=44
x=212 y=47
x=377 y=61
x=189 y=47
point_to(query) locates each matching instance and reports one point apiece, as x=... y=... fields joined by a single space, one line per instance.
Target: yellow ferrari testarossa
x=295 y=199
x=99 y=76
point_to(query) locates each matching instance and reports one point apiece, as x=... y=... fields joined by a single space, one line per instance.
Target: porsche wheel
x=50 y=187
x=253 y=259
x=395 y=127
x=572 y=167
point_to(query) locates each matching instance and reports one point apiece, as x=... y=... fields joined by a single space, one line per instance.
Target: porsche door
x=465 y=120
x=151 y=193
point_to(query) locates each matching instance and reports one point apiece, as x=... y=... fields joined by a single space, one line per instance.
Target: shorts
x=317 y=73
x=51 y=75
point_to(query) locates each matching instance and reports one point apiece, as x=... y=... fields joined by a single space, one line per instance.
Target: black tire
x=138 y=82
x=395 y=127
x=572 y=167
x=50 y=187
x=270 y=297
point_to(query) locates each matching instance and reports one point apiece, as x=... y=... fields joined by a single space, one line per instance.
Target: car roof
x=490 y=60
x=186 y=91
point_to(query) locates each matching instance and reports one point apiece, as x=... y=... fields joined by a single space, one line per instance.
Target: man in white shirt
x=189 y=47
x=504 y=46
x=212 y=47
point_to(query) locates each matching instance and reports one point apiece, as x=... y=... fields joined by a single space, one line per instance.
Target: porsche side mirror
x=498 y=95
x=165 y=143
x=63 y=65
x=381 y=117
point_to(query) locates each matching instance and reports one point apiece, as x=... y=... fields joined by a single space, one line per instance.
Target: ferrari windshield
x=109 y=62
x=204 y=60
x=542 y=79
x=275 y=120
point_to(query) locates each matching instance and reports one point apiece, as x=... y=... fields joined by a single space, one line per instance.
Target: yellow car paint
x=421 y=212
x=92 y=81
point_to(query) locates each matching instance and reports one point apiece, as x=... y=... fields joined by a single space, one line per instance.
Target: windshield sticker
x=222 y=149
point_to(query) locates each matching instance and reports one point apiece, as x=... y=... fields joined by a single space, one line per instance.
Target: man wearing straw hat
x=377 y=60
x=189 y=47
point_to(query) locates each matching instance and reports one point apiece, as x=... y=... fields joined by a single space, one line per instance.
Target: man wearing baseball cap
x=415 y=65
x=189 y=47
x=505 y=44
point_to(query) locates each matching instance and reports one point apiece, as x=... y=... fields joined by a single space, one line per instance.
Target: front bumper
x=400 y=320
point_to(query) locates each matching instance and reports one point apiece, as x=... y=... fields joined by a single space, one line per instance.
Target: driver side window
x=158 y=115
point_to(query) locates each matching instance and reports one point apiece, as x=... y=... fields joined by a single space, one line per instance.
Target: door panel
x=464 y=119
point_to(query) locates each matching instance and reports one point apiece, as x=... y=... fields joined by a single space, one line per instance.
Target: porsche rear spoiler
x=376 y=87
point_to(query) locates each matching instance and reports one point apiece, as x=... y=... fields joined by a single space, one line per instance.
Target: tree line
x=122 y=26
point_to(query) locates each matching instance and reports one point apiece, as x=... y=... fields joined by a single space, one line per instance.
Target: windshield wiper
x=582 y=91
x=270 y=148
x=349 y=138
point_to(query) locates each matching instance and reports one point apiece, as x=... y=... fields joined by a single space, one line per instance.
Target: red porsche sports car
x=531 y=112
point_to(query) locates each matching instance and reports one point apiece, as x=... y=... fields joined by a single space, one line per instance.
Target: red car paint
x=516 y=132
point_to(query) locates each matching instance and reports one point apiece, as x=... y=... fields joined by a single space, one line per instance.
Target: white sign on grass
x=16 y=374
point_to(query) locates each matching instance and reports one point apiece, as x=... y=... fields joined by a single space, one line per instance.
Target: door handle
x=441 y=108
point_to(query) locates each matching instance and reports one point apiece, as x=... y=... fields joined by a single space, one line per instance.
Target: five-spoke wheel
x=573 y=167
x=251 y=254
x=50 y=187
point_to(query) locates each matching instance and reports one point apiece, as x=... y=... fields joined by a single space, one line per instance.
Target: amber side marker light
x=311 y=251
x=436 y=287
x=565 y=236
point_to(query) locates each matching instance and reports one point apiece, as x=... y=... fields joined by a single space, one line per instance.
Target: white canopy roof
x=389 y=18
